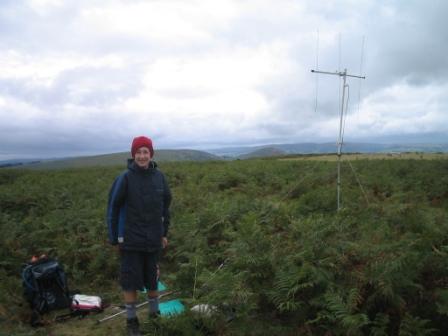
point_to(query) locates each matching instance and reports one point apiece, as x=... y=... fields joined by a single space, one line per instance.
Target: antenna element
x=344 y=76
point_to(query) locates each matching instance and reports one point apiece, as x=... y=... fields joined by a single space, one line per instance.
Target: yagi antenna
x=344 y=106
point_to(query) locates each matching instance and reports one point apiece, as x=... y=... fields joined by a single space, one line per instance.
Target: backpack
x=44 y=287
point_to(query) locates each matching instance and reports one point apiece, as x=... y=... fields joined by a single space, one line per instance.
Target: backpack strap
x=65 y=317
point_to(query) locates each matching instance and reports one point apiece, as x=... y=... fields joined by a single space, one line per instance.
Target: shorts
x=138 y=270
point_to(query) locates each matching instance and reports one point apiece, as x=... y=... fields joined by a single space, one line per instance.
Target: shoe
x=153 y=315
x=155 y=321
x=133 y=327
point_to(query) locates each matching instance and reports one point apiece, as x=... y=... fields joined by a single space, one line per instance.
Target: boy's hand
x=164 y=242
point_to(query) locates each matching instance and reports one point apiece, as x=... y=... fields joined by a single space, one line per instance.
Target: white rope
x=340 y=52
x=317 y=68
x=345 y=114
x=107 y=318
x=359 y=182
x=339 y=69
x=361 y=64
x=307 y=174
x=195 y=277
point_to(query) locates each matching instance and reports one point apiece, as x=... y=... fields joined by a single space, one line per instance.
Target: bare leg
x=153 y=294
x=130 y=296
x=130 y=302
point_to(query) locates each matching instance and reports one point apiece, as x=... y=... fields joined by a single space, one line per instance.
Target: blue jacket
x=138 y=208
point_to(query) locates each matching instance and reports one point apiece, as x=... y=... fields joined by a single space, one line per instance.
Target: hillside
x=258 y=238
x=241 y=152
x=120 y=159
x=325 y=148
x=263 y=152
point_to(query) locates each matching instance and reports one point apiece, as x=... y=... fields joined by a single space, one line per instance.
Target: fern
x=380 y=325
x=442 y=301
x=415 y=326
x=290 y=286
x=345 y=312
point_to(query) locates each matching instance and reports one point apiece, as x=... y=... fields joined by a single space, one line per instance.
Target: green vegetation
x=369 y=156
x=115 y=159
x=263 y=153
x=261 y=237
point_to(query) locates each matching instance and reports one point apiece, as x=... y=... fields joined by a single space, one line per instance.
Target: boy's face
x=142 y=157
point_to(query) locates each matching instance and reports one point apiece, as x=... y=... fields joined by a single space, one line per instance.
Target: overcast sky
x=86 y=76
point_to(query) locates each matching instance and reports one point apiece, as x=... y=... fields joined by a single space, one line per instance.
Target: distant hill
x=117 y=159
x=16 y=163
x=241 y=152
x=184 y=155
x=263 y=152
x=325 y=148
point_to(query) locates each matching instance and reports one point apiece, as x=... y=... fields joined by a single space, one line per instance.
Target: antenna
x=317 y=67
x=344 y=106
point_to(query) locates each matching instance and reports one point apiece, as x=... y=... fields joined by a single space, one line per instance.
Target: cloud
x=86 y=76
x=177 y=21
x=403 y=109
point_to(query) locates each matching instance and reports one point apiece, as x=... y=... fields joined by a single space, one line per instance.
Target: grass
x=120 y=159
x=367 y=156
x=292 y=264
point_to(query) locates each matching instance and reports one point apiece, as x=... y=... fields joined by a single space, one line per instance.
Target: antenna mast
x=344 y=76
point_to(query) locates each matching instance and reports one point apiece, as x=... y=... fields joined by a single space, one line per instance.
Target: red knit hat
x=141 y=141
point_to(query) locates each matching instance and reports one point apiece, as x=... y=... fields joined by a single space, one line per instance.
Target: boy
x=138 y=219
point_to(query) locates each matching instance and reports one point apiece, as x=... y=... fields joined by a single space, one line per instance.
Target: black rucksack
x=45 y=287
